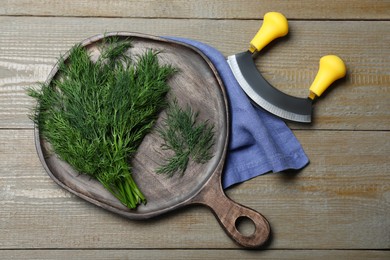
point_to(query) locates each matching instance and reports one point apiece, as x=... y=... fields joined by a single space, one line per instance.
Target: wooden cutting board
x=198 y=85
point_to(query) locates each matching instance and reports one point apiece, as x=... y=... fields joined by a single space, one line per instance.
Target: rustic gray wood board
x=196 y=84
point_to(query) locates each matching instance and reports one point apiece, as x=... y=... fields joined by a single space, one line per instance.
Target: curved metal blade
x=265 y=95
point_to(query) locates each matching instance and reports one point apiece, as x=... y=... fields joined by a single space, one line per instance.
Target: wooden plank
x=30 y=47
x=339 y=201
x=215 y=9
x=344 y=187
x=194 y=254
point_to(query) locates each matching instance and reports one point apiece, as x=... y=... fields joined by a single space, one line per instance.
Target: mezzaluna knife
x=262 y=93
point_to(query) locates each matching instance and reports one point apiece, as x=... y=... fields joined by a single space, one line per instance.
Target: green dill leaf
x=96 y=114
x=186 y=137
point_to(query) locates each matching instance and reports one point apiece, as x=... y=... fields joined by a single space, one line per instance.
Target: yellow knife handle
x=274 y=26
x=331 y=69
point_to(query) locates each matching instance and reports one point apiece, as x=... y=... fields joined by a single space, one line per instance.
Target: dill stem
x=125 y=190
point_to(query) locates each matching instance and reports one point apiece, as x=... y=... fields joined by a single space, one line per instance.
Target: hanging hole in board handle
x=234 y=217
x=245 y=226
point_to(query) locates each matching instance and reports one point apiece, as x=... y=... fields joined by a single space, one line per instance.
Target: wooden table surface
x=337 y=207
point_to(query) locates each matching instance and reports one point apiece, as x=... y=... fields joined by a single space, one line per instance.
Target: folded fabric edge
x=234 y=175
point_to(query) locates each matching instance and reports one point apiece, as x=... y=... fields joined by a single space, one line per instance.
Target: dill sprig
x=186 y=137
x=96 y=114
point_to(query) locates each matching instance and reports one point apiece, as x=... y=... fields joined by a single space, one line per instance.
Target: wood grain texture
x=195 y=254
x=339 y=201
x=358 y=102
x=214 y=9
x=337 y=207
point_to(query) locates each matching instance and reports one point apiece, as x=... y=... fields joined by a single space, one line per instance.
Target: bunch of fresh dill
x=96 y=114
x=186 y=137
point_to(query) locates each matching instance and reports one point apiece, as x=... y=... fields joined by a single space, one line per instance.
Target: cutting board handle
x=228 y=213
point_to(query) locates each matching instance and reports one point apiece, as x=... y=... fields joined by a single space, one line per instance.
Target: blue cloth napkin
x=259 y=142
